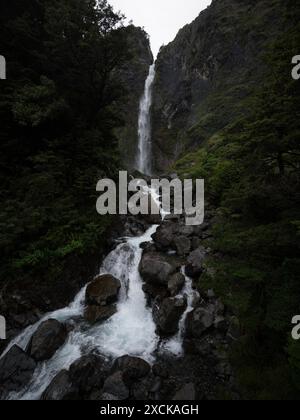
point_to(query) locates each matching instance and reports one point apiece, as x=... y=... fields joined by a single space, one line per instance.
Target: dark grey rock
x=88 y=374
x=220 y=324
x=115 y=386
x=164 y=236
x=61 y=389
x=103 y=290
x=94 y=314
x=133 y=368
x=161 y=370
x=182 y=245
x=155 y=269
x=16 y=371
x=194 y=267
x=199 y=321
x=48 y=338
x=176 y=283
x=168 y=314
x=186 y=393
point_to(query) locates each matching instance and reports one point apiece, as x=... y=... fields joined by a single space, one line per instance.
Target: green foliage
x=57 y=122
x=38 y=104
x=252 y=174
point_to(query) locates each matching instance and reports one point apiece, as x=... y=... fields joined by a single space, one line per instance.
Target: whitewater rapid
x=131 y=331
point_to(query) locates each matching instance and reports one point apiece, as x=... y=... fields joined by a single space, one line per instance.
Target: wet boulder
x=155 y=291
x=133 y=368
x=183 y=245
x=16 y=371
x=176 y=283
x=168 y=314
x=88 y=373
x=146 y=388
x=48 y=338
x=147 y=247
x=194 y=267
x=115 y=387
x=155 y=269
x=199 y=321
x=185 y=230
x=94 y=314
x=103 y=290
x=164 y=236
x=61 y=389
x=101 y=297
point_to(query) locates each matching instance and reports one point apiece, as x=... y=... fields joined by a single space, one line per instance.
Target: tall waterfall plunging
x=144 y=126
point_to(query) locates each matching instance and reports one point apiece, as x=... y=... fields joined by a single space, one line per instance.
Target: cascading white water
x=130 y=331
x=144 y=126
x=174 y=345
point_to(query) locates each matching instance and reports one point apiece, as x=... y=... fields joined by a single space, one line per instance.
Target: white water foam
x=130 y=331
x=174 y=345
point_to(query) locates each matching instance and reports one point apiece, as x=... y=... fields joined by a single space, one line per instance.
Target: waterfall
x=144 y=126
x=130 y=331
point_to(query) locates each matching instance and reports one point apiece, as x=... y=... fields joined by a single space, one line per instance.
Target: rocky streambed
x=119 y=338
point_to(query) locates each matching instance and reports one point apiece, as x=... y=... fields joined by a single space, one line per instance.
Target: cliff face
x=133 y=75
x=205 y=74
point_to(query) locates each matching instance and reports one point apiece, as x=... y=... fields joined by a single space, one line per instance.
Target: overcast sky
x=162 y=19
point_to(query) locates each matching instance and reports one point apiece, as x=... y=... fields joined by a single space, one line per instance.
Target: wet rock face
x=212 y=55
x=60 y=389
x=194 y=267
x=94 y=314
x=48 y=338
x=176 y=283
x=85 y=377
x=199 y=321
x=103 y=290
x=133 y=368
x=115 y=388
x=155 y=269
x=168 y=314
x=88 y=374
x=101 y=296
x=16 y=371
x=208 y=316
x=183 y=245
x=164 y=236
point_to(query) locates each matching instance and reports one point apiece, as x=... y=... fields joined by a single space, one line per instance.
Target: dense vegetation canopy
x=57 y=120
